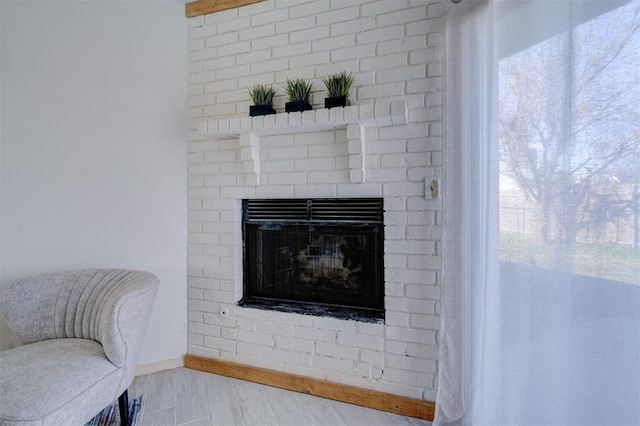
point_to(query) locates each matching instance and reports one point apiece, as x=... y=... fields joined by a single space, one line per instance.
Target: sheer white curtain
x=541 y=288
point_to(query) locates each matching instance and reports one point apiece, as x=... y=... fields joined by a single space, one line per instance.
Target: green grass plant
x=262 y=94
x=299 y=90
x=338 y=84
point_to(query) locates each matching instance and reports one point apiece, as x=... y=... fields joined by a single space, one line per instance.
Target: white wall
x=6 y=337
x=94 y=147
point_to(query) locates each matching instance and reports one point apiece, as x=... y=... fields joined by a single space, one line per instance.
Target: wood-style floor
x=188 y=397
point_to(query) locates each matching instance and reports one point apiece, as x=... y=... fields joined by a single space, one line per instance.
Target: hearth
x=315 y=256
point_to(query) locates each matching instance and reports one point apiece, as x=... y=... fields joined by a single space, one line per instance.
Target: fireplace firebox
x=315 y=256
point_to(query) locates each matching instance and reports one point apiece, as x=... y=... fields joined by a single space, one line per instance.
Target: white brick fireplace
x=388 y=144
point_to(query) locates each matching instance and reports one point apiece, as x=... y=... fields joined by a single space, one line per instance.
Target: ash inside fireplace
x=333 y=261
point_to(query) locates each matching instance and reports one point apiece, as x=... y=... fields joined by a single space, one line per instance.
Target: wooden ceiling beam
x=204 y=7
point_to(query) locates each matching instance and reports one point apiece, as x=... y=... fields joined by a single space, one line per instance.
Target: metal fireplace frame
x=320 y=256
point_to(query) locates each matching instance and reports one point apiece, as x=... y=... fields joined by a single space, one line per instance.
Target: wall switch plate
x=431 y=188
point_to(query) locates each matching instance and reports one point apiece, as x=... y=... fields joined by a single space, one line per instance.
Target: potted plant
x=299 y=92
x=262 y=96
x=338 y=86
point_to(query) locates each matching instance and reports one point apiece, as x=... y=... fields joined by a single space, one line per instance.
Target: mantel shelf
x=380 y=114
x=249 y=130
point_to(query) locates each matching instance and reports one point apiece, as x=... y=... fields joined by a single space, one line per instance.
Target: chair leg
x=123 y=403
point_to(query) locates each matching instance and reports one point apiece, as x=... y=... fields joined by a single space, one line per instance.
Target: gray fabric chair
x=81 y=333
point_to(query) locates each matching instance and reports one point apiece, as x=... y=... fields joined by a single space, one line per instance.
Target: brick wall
x=396 y=49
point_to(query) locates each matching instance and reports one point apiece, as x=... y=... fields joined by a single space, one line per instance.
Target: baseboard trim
x=353 y=395
x=154 y=367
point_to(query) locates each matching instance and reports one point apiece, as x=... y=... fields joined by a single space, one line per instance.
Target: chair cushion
x=38 y=379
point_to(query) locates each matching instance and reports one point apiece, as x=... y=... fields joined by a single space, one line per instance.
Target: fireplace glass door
x=318 y=256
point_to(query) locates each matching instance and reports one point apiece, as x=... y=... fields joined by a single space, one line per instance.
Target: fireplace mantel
x=353 y=118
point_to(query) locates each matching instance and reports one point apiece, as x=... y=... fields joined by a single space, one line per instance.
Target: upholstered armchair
x=81 y=333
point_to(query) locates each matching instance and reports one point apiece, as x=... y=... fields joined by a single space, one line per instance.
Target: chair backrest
x=110 y=306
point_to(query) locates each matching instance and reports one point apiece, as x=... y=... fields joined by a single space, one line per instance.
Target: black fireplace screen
x=318 y=251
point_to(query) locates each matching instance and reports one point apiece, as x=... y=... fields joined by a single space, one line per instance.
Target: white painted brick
x=372 y=357
x=254 y=56
x=196 y=44
x=253 y=33
x=231 y=25
x=404 y=16
x=401 y=304
x=225 y=53
x=411 y=363
x=221 y=39
x=412 y=335
x=266 y=42
x=222 y=16
x=228 y=333
x=334 y=43
x=327 y=177
x=282 y=191
x=314 y=164
x=204 y=329
x=323 y=190
x=335 y=16
x=333 y=364
x=336 y=350
x=292 y=50
x=288 y=153
x=290 y=357
x=403 y=189
x=219 y=109
x=353 y=26
x=287 y=178
x=313 y=8
x=256 y=338
x=434 y=69
x=356 y=161
x=275 y=329
x=347 y=53
x=196 y=21
x=406 y=44
x=431 y=322
x=380 y=34
x=203 y=54
x=435 y=129
x=220 y=180
x=435 y=10
x=295 y=24
x=309 y=59
x=333 y=151
x=310 y=34
x=275 y=166
x=269 y=121
x=403 y=376
x=362 y=190
x=386 y=175
x=293 y=344
x=196 y=339
x=361 y=340
x=277 y=15
x=382 y=6
x=256 y=8
x=254 y=351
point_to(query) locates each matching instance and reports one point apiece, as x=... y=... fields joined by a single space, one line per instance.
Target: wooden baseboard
x=350 y=394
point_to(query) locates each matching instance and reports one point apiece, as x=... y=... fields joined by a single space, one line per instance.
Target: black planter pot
x=336 y=101
x=296 y=106
x=255 y=110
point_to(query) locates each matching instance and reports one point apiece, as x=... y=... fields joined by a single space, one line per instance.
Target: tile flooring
x=187 y=397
